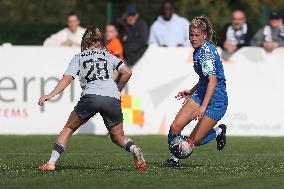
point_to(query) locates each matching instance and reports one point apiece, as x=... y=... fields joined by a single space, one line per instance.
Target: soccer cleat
x=47 y=167
x=221 y=139
x=139 y=161
x=170 y=163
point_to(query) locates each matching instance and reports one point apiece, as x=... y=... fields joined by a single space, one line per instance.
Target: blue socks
x=211 y=135
x=171 y=136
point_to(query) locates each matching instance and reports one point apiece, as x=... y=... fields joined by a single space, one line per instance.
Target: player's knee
x=197 y=141
x=175 y=128
x=73 y=128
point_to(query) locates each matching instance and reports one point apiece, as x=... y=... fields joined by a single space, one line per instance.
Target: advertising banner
x=254 y=85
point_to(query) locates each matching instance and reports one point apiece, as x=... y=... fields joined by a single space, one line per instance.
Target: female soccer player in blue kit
x=207 y=101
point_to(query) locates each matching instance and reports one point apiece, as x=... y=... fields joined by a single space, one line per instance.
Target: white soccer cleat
x=139 y=161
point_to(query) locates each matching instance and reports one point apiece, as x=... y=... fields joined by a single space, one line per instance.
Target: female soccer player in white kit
x=101 y=93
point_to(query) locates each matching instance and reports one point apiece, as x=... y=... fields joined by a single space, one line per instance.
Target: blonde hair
x=204 y=24
x=91 y=36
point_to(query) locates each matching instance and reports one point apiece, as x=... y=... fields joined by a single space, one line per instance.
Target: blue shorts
x=214 y=110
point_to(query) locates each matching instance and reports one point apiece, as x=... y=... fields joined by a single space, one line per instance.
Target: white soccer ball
x=181 y=147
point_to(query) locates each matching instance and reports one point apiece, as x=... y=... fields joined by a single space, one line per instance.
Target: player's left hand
x=43 y=98
x=199 y=113
x=183 y=94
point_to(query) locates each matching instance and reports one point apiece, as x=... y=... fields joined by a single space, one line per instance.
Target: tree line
x=29 y=22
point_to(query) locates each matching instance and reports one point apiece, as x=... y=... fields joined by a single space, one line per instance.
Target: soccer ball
x=181 y=147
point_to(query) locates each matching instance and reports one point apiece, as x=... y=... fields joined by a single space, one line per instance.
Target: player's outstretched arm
x=125 y=76
x=186 y=93
x=62 y=84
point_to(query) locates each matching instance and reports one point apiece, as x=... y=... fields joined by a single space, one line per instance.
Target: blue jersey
x=208 y=62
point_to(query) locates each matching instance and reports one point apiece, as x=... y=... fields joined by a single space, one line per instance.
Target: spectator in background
x=114 y=44
x=121 y=25
x=169 y=29
x=136 y=35
x=272 y=35
x=70 y=36
x=236 y=34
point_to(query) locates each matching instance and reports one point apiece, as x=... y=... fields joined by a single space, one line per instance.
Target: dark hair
x=115 y=25
x=73 y=13
x=241 y=10
x=168 y=1
x=274 y=15
x=204 y=24
x=91 y=36
x=117 y=28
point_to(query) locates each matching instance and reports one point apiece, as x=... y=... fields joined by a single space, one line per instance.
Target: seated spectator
x=236 y=34
x=114 y=44
x=169 y=29
x=70 y=36
x=272 y=35
x=136 y=35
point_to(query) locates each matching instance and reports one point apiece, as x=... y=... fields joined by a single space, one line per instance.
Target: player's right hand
x=43 y=98
x=183 y=94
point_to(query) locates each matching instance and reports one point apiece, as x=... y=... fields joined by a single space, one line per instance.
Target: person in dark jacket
x=136 y=36
x=236 y=34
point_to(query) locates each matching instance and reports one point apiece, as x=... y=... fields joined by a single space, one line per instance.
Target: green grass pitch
x=94 y=162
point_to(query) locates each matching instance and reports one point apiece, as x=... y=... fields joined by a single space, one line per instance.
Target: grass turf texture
x=94 y=162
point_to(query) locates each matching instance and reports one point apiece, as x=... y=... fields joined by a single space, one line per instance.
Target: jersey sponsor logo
x=208 y=66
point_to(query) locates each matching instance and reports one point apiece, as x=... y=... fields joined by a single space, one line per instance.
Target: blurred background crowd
x=130 y=26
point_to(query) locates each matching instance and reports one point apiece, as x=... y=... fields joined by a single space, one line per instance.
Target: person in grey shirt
x=271 y=36
x=101 y=94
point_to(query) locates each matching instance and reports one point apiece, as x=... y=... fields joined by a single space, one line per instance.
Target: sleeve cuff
x=119 y=65
x=71 y=74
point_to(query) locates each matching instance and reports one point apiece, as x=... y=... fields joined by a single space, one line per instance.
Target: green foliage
x=31 y=21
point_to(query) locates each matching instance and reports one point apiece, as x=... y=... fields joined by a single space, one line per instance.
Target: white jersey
x=65 y=35
x=95 y=69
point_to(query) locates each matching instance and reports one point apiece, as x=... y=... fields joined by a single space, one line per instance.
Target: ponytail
x=91 y=36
